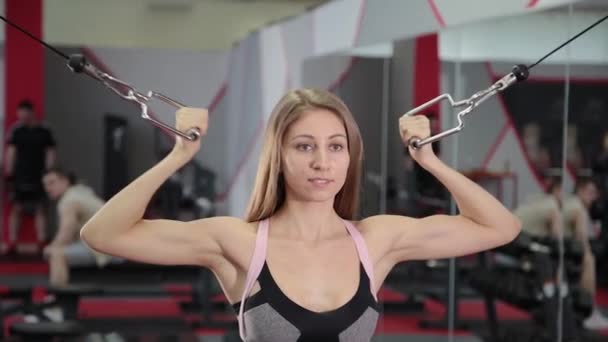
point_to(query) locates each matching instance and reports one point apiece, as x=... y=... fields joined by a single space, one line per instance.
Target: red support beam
x=24 y=77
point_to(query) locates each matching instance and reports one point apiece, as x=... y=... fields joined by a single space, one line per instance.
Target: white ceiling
x=177 y=24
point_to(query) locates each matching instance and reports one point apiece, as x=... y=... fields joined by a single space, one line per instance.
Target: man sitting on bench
x=541 y=216
x=77 y=203
x=541 y=213
x=578 y=226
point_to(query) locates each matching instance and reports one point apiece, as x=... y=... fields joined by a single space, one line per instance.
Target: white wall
x=262 y=66
x=199 y=25
x=192 y=78
x=527 y=38
x=485 y=125
x=258 y=62
x=76 y=105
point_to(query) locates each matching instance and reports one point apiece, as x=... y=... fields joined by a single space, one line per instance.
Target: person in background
x=540 y=214
x=76 y=204
x=578 y=226
x=31 y=150
x=548 y=216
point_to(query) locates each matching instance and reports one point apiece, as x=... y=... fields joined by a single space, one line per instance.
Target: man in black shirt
x=31 y=150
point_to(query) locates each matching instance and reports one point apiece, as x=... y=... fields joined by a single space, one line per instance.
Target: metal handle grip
x=191 y=134
x=78 y=64
x=417 y=142
x=518 y=74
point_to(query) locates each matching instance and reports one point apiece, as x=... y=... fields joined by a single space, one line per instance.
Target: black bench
x=24 y=297
x=47 y=331
x=130 y=272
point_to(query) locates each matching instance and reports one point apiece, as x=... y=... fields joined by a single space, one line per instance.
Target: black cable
x=567 y=42
x=36 y=38
x=529 y=67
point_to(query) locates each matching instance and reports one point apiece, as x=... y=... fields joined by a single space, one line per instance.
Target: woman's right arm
x=119 y=229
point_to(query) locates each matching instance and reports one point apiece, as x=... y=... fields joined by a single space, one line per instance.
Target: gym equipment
x=78 y=64
x=47 y=331
x=518 y=74
x=528 y=283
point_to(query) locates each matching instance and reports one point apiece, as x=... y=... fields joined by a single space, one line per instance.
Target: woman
x=300 y=218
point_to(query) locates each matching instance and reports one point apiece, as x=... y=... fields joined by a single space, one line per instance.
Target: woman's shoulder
x=365 y=226
x=376 y=222
x=234 y=235
x=231 y=227
x=232 y=224
x=354 y=223
x=381 y=228
x=377 y=233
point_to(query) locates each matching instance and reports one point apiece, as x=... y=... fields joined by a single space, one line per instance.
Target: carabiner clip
x=520 y=73
x=77 y=63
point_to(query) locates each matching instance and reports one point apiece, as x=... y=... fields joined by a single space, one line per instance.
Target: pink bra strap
x=363 y=255
x=255 y=267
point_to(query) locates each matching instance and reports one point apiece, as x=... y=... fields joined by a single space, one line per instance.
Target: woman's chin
x=317 y=196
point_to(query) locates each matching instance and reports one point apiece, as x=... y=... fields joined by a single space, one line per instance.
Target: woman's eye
x=336 y=147
x=304 y=147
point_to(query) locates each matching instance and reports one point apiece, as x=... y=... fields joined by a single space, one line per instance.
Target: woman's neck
x=308 y=221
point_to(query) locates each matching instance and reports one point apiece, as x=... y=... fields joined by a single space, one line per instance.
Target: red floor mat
x=475 y=309
x=399 y=324
x=104 y=307
x=602 y=297
x=24 y=268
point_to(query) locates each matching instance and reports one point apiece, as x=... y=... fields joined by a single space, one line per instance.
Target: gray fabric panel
x=263 y=323
x=216 y=338
x=424 y=338
x=363 y=328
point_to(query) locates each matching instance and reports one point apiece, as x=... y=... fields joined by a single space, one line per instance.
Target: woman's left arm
x=482 y=223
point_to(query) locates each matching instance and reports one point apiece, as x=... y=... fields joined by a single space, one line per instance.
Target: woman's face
x=315 y=156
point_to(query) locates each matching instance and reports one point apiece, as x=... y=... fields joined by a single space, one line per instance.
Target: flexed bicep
x=167 y=242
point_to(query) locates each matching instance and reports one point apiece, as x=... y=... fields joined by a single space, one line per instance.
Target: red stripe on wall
x=362 y=7
x=24 y=75
x=24 y=58
x=426 y=71
x=218 y=97
x=436 y=13
x=492 y=151
x=509 y=118
x=343 y=76
x=532 y=3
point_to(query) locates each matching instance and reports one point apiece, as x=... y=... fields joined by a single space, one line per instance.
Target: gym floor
x=139 y=317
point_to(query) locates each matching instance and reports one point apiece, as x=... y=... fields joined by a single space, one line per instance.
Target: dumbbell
x=582 y=302
x=573 y=271
x=512 y=286
x=524 y=292
x=519 y=246
x=481 y=280
x=573 y=249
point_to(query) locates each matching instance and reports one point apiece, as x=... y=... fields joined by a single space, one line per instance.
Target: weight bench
x=47 y=331
x=129 y=272
x=68 y=298
x=42 y=331
x=521 y=283
x=25 y=304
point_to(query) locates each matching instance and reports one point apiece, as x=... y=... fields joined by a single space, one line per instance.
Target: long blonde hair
x=269 y=190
